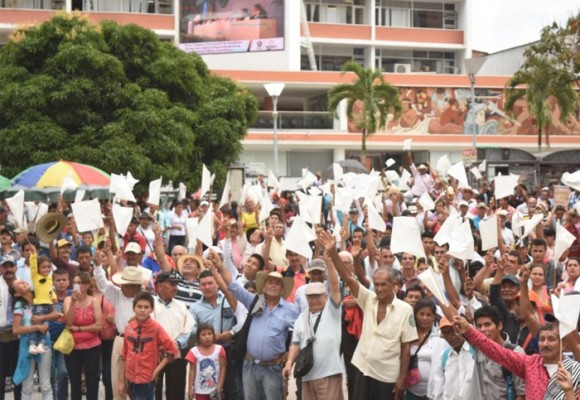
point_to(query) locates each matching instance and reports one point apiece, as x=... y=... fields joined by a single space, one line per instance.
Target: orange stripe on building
x=420 y=35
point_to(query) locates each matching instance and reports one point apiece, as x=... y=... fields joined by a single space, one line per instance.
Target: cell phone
x=76 y=287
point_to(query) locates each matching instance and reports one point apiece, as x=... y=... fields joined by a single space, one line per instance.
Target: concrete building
x=420 y=45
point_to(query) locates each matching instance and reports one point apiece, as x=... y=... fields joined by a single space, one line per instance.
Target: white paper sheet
x=505 y=185
x=429 y=278
x=226 y=193
x=154 y=192
x=205 y=229
x=426 y=201
x=376 y=222
x=407 y=143
x=298 y=238
x=406 y=237
x=564 y=240
x=488 y=232
x=16 y=205
x=88 y=215
x=458 y=172
x=122 y=217
x=205 y=181
x=310 y=208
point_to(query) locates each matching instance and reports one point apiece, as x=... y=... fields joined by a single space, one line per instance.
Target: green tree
x=549 y=73
x=378 y=98
x=116 y=97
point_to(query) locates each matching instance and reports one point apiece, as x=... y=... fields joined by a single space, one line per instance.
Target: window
x=420 y=61
x=336 y=11
x=332 y=59
x=415 y=14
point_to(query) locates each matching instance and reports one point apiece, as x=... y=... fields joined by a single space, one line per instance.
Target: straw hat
x=263 y=276
x=129 y=276
x=49 y=226
x=181 y=260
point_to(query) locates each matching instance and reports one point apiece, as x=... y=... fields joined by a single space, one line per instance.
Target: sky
x=502 y=24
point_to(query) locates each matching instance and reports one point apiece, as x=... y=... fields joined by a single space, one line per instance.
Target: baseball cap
x=169 y=276
x=482 y=205
x=502 y=213
x=317 y=265
x=444 y=323
x=463 y=203
x=63 y=242
x=146 y=216
x=314 y=288
x=7 y=259
x=204 y=203
x=132 y=247
x=422 y=166
x=511 y=278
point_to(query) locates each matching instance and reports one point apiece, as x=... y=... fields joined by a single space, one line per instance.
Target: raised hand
x=326 y=240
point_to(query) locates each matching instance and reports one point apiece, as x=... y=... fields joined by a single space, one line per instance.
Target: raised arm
x=333 y=282
x=526 y=309
x=327 y=240
x=359 y=270
x=159 y=249
x=449 y=287
x=214 y=259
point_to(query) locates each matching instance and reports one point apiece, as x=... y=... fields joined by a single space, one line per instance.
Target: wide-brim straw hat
x=129 y=276
x=263 y=276
x=49 y=226
x=181 y=260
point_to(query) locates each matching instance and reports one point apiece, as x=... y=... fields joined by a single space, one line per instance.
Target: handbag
x=65 y=342
x=305 y=358
x=413 y=375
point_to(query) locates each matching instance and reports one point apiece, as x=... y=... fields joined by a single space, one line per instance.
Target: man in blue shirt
x=271 y=319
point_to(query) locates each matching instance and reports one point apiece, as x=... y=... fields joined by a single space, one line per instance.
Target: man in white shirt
x=454 y=365
x=121 y=297
x=382 y=355
x=175 y=318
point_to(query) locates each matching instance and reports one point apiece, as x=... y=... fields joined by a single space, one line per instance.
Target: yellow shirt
x=249 y=220
x=378 y=352
x=43 y=293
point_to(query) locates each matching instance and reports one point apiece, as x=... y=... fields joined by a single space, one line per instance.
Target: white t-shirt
x=177 y=220
x=326 y=346
x=207 y=369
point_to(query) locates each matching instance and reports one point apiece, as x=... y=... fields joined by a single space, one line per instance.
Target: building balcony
x=122 y=6
x=420 y=35
x=156 y=15
x=292 y=120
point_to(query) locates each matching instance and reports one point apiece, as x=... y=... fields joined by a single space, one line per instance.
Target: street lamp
x=274 y=91
x=472 y=67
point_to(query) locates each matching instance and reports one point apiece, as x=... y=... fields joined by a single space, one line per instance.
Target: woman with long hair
x=572 y=283
x=83 y=317
x=24 y=323
x=539 y=293
x=422 y=350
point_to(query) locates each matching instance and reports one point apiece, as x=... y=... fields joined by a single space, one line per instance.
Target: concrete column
x=338 y=154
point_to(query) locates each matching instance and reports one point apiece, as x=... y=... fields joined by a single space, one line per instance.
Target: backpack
x=508 y=376
x=446 y=352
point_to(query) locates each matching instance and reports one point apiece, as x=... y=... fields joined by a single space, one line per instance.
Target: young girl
x=40 y=271
x=208 y=369
x=145 y=343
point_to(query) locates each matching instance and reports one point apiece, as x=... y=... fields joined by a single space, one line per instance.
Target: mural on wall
x=446 y=111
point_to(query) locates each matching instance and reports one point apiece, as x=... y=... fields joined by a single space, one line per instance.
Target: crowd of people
x=154 y=314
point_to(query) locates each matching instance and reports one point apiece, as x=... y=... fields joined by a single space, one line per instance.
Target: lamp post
x=274 y=91
x=472 y=67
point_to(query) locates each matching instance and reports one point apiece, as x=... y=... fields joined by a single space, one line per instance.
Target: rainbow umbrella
x=44 y=181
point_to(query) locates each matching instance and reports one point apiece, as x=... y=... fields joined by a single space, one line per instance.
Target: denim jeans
x=8 y=360
x=38 y=337
x=59 y=376
x=44 y=369
x=90 y=360
x=141 y=391
x=262 y=382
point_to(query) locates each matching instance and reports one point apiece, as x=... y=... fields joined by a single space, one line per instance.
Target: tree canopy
x=549 y=76
x=116 y=97
x=378 y=98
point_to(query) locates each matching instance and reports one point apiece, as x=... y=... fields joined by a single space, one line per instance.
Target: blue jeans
x=37 y=337
x=262 y=382
x=59 y=379
x=142 y=391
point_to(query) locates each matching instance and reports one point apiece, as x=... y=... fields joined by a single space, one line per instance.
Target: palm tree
x=541 y=79
x=378 y=97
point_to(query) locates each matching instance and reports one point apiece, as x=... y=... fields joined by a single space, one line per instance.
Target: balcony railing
x=124 y=6
x=288 y=120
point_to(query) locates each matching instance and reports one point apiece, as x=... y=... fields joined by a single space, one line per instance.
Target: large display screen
x=231 y=26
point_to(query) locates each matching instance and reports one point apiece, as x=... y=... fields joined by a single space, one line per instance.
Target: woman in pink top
x=84 y=319
x=572 y=283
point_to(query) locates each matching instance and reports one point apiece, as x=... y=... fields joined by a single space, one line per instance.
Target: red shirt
x=137 y=237
x=142 y=346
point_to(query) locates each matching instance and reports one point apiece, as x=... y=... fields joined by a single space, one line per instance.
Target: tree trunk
x=547 y=135
x=363 y=156
x=539 y=137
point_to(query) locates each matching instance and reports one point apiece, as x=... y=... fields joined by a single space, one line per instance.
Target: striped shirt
x=188 y=291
